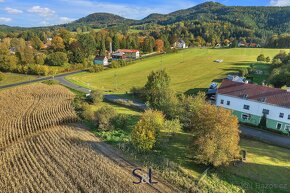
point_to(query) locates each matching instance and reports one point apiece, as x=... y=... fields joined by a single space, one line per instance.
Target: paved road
x=265 y=136
x=41 y=79
x=63 y=81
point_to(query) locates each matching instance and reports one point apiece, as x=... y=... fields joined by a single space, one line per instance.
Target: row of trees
x=280 y=75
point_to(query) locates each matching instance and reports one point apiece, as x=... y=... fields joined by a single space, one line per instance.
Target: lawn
x=11 y=78
x=266 y=165
x=190 y=69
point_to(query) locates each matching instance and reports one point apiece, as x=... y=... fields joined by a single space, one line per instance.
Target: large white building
x=251 y=102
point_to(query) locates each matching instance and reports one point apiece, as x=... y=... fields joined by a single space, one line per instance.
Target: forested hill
x=274 y=19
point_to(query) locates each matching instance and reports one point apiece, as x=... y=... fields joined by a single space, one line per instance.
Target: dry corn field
x=43 y=151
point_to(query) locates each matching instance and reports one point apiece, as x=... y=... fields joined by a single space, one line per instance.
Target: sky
x=33 y=13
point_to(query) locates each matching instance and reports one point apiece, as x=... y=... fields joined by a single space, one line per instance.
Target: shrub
x=115 y=64
x=261 y=58
x=172 y=126
x=50 y=82
x=120 y=121
x=243 y=72
x=145 y=133
x=87 y=112
x=97 y=96
x=104 y=117
x=2 y=76
x=96 y=68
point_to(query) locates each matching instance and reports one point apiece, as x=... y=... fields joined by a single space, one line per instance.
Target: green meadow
x=189 y=69
x=11 y=78
x=267 y=168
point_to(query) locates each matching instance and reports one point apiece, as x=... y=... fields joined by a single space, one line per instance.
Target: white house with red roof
x=251 y=102
x=133 y=54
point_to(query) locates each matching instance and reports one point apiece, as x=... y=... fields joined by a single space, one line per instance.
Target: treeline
x=280 y=75
x=279 y=41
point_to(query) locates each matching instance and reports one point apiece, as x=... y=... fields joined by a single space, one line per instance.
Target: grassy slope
x=11 y=78
x=266 y=164
x=189 y=69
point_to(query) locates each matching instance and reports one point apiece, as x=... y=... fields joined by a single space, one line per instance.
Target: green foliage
x=87 y=44
x=2 y=76
x=243 y=72
x=86 y=112
x=97 y=96
x=50 y=82
x=216 y=135
x=96 y=68
x=57 y=59
x=121 y=121
x=280 y=75
x=103 y=118
x=263 y=122
x=145 y=134
x=261 y=58
x=172 y=126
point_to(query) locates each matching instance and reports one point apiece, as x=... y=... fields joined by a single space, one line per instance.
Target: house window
x=281 y=115
x=246 y=116
x=228 y=102
x=266 y=111
x=279 y=126
x=247 y=107
x=222 y=102
x=287 y=128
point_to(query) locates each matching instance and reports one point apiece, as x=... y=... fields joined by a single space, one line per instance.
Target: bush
x=104 y=117
x=2 y=76
x=57 y=59
x=145 y=134
x=243 y=72
x=50 y=82
x=96 y=68
x=120 y=121
x=115 y=64
x=172 y=126
x=96 y=96
x=261 y=58
x=87 y=112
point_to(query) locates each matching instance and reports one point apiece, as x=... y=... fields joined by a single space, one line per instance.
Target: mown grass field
x=265 y=165
x=189 y=69
x=11 y=78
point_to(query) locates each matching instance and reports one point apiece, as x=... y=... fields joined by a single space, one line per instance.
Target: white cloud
x=42 y=11
x=131 y=11
x=4 y=19
x=12 y=11
x=280 y=2
x=63 y=20
x=1 y=1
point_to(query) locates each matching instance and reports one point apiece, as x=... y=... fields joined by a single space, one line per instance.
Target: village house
x=180 y=44
x=251 y=102
x=132 y=54
x=118 y=56
x=101 y=60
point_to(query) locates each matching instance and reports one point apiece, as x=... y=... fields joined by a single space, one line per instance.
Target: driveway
x=268 y=137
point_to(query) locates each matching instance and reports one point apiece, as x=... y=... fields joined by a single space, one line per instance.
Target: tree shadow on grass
x=194 y=91
x=257 y=177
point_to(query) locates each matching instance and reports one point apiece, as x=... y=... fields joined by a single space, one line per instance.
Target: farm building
x=180 y=44
x=250 y=103
x=118 y=56
x=132 y=54
x=101 y=60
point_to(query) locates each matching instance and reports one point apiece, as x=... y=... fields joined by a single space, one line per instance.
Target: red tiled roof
x=127 y=51
x=254 y=92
